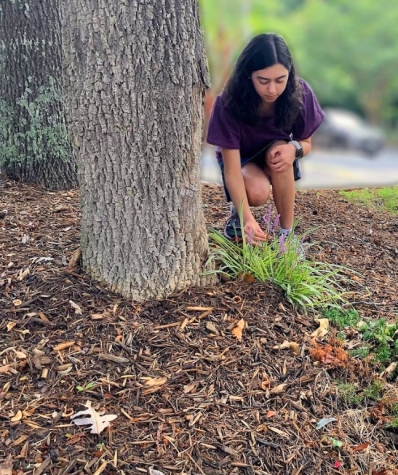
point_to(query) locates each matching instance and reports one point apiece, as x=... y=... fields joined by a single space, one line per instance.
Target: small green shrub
x=341 y=318
x=393 y=424
x=382 y=338
x=349 y=393
x=374 y=391
x=362 y=352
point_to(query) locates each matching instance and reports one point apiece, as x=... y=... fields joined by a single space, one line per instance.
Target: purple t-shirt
x=228 y=132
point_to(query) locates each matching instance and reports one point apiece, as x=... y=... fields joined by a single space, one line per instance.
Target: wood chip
x=64 y=346
x=116 y=359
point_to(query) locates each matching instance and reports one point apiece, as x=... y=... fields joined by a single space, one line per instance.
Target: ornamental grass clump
x=281 y=260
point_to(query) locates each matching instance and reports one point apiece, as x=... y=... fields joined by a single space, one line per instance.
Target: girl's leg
x=257 y=184
x=283 y=191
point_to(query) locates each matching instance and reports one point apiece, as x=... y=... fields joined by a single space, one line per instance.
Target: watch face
x=299 y=152
x=299 y=148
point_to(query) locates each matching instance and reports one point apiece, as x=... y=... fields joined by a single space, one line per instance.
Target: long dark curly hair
x=239 y=95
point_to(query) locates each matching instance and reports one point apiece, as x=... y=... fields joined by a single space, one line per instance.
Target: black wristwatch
x=299 y=148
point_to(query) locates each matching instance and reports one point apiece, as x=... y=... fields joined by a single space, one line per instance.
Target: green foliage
x=352 y=394
x=85 y=388
x=393 y=424
x=362 y=352
x=306 y=283
x=349 y=393
x=382 y=338
x=341 y=318
x=346 y=50
x=382 y=198
x=374 y=390
x=34 y=129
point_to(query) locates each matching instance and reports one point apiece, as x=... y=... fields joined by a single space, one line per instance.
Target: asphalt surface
x=329 y=169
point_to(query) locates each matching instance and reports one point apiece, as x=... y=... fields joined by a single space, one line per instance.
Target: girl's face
x=270 y=83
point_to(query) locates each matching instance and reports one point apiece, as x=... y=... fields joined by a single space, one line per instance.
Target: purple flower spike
x=282 y=245
x=274 y=225
x=250 y=237
x=267 y=216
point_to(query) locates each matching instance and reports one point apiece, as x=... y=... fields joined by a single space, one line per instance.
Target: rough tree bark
x=34 y=144
x=135 y=79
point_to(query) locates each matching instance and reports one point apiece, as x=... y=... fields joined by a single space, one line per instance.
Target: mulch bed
x=190 y=398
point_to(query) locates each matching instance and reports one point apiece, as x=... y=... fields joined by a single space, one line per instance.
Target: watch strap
x=299 y=148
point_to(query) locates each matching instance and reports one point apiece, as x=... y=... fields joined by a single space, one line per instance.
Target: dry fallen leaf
x=323 y=328
x=74 y=260
x=289 y=344
x=280 y=432
x=23 y=274
x=5 y=369
x=190 y=387
x=97 y=421
x=279 y=389
x=97 y=316
x=248 y=278
x=285 y=344
x=237 y=331
x=78 y=310
x=10 y=326
x=361 y=447
x=6 y=466
x=295 y=347
x=17 y=417
x=390 y=369
x=63 y=346
x=212 y=328
x=155 y=381
x=152 y=471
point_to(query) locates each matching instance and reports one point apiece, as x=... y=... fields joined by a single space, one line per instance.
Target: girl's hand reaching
x=281 y=157
x=253 y=231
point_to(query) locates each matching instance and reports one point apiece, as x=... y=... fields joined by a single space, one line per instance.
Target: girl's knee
x=257 y=197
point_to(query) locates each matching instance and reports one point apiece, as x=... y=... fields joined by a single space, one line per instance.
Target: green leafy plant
x=382 y=338
x=349 y=393
x=361 y=352
x=341 y=318
x=85 y=388
x=280 y=260
x=374 y=390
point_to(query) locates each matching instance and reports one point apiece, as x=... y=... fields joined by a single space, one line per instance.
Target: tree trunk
x=34 y=144
x=135 y=79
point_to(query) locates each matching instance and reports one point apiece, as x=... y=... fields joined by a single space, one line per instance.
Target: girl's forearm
x=236 y=188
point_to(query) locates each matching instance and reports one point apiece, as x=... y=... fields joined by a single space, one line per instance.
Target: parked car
x=345 y=129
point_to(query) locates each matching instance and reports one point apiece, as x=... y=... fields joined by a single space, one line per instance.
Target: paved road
x=329 y=169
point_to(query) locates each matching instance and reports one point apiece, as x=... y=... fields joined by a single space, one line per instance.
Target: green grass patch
x=306 y=283
x=380 y=338
x=353 y=394
x=374 y=391
x=349 y=393
x=342 y=318
x=381 y=198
